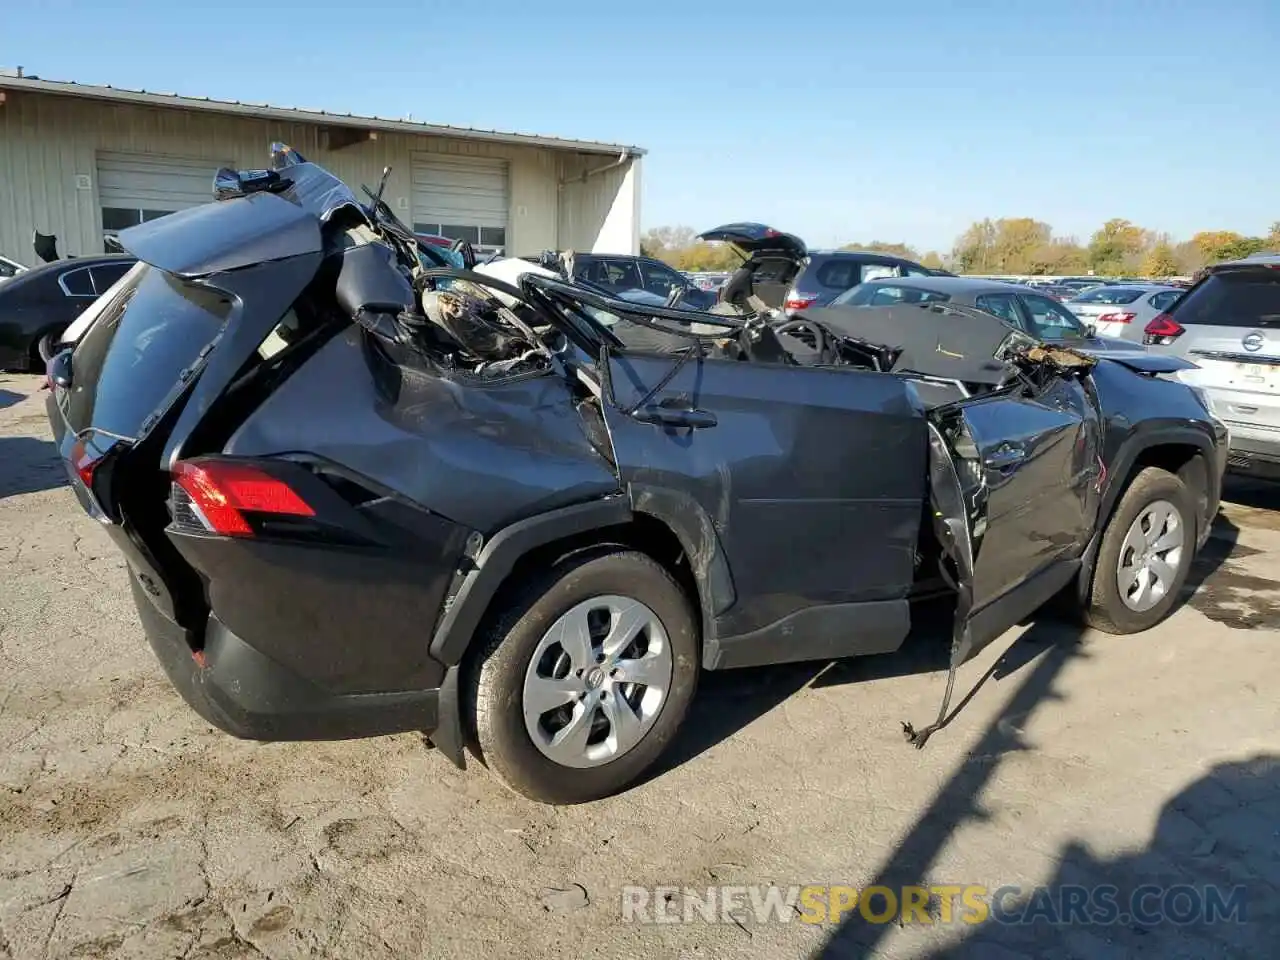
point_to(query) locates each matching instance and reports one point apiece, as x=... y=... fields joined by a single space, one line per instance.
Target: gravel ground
x=130 y=828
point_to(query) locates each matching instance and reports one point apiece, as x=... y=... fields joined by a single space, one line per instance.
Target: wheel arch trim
x=1122 y=470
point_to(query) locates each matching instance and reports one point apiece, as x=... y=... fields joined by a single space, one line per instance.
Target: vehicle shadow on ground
x=1205 y=885
x=28 y=465
x=8 y=398
x=730 y=700
x=1246 y=492
x=1220 y=831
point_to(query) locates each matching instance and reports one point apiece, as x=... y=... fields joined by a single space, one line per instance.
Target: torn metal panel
x=481 y=454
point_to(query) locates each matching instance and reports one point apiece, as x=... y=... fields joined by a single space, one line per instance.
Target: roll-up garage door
x=463 y=198
x=133 y=188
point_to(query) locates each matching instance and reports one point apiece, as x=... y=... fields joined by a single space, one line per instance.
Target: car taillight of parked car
x=1117 y=318
x=796 y=302
x=1162 y=330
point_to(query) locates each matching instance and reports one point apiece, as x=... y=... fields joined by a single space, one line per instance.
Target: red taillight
x=84 y=463
x=1164 y=327
x=800 y=303
x=220 y=492
x=1117 y=318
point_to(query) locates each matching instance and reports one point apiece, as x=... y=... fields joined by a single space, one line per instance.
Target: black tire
x=1106 y=609
x=496 y=676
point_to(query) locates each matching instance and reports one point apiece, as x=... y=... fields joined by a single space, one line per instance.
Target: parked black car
x=45 y=299
x=352 y=503
x=620 y=274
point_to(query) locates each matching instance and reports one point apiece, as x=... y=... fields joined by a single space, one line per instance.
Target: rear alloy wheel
x=1145 y=555
x=586 y=678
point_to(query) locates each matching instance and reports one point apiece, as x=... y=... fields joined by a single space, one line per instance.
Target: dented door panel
x=813 y=479
x=1026 y=468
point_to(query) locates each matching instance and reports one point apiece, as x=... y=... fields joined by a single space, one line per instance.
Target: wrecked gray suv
x=360 y=495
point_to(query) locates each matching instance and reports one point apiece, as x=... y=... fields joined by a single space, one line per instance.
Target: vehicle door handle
x=675 y=417
x=1004 y=458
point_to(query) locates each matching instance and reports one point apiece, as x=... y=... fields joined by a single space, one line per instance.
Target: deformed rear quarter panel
x=483 y=455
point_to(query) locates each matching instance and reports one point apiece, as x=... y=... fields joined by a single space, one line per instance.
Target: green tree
x=1190 y=258
x=664 y=242
x=704 y=256
x=1118 y=246
x=1017 y=241
x=974 y=250
x=1160 y=261
x=1273 y=238
x=1219 y=245
x=932 y=260
x=1058 y=256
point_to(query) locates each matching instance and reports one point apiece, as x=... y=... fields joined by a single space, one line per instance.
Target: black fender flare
x=696 y=531
x=491 y=564
x=1120 y=471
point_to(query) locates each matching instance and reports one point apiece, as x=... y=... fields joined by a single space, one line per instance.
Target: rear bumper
x=1254 y=456
x=246 y=694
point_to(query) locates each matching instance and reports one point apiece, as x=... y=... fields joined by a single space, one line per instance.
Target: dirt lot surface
x=130 y=828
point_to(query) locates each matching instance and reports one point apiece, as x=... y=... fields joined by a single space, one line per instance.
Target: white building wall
x=600 y=204
x=49 y=146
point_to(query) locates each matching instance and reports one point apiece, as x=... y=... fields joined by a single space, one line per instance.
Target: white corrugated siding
x=149 y=182
x=464 y=190
x=47 y=143
x=599 y=214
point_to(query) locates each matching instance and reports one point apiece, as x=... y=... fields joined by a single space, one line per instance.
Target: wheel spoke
x=1163 y=573
x=1142 y=580
x=625 y=728
x=648 y=671
x=570 y=742
x=575 y=638
x=1135 y=542
x=545 y=693
x=628 y=621
x=1169 y=539
x=1157 y=517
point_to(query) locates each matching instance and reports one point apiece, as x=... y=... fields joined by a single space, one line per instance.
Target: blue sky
x=838 y=121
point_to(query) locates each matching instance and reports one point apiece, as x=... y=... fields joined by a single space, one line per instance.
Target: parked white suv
x=1228 y=324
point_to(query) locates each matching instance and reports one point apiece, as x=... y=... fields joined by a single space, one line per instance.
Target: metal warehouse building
x=83 y=162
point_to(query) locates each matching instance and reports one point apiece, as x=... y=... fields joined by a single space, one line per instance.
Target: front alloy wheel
x=1145 y=554
x=1150 y=556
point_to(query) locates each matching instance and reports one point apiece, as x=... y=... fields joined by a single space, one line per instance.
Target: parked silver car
x=1123 y=310
x=1229 y=325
